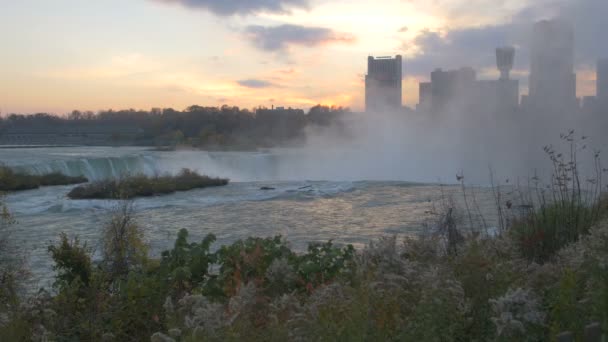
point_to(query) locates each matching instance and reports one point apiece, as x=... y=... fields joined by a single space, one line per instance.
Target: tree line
x=197 y=126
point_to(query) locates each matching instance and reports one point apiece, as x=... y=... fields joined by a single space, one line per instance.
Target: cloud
x=456 y=48
x=277 y=38
x=241 y=7
x=474 y=46
x=256 y=84
x=589 y=19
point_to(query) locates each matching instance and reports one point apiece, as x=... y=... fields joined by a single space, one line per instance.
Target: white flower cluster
x=242 y=302
x=597 y=246
x=515 y=311
x=160 y=337
x=200 y=315
x=280 y=271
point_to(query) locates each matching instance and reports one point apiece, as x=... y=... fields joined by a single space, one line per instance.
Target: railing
x=592 y=333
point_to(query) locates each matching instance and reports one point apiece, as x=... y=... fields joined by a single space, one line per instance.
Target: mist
x=432 y=147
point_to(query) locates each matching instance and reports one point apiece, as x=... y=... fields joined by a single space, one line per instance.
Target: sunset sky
x=71 y=54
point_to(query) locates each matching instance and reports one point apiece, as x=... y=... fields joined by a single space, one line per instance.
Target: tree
x=124 y=248
x=72 y=262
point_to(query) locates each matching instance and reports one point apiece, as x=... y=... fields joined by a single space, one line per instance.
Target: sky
x=61 y=55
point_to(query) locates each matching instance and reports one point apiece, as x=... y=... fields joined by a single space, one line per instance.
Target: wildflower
x=280 y=271
x=175 y=332
x=108 y=337
x=160 y=337
x=516 y=310
x=168 y=306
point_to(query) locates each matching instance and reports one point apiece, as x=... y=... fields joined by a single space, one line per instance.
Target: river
x=323 y=207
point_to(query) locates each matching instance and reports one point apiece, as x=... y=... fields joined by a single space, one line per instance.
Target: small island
x=11 y=180
x=144 y=186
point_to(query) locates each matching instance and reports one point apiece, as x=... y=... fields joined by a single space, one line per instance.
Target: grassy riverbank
x=144 y=186
x=15 y=181
x=425 y=289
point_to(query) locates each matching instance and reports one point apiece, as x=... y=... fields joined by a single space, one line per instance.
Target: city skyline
x=160 y=53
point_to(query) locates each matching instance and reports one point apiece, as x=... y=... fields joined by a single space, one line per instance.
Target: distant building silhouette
x=590 y=104
x=552 y=77
x=506 y=90
x=425 y=96
x=383 y=85
x=461 y=89
x=448 y=87
x=602 y=82
x=505 y=58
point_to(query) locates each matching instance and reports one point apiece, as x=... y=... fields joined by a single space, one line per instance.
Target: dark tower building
x=505 y=57
x=552 y=77
x=506 y=89
x=383 y=83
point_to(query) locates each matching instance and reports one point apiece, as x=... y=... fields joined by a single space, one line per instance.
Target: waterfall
x=99 y=164
x=95 y=168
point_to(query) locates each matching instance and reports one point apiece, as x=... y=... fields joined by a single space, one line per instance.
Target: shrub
x=8 y=262
x=325 y=262
x=144 y=186
x=186 y=266
x=13 y=181
x=72 y=261
x=563 y=210
x=248 y=261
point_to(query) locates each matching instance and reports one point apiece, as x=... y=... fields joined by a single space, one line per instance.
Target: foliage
x=248 y=261
x=14 y=181
x=72 y=261
x=324 y=263
x=144 y=186
x=187 y=265
x=259 y=289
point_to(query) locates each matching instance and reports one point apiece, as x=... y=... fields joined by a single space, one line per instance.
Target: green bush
x=248 y=261
x=72 y=261
x=186 y=266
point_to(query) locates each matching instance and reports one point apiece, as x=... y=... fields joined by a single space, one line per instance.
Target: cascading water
x=104 y=163
x=96 y=168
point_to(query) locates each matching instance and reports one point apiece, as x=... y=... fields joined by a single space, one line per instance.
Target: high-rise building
x=383 y=83
x=552 y=77
x=602 y=81
x=451 y=87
